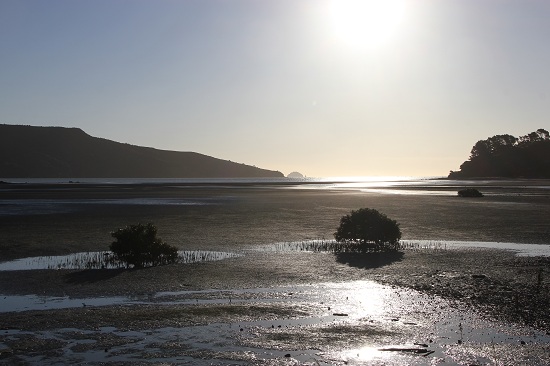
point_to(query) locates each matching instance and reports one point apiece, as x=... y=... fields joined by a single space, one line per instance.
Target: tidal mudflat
x=353 y=322
x=272 y=304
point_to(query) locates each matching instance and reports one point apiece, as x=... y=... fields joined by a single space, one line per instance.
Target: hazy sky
x=327 y=88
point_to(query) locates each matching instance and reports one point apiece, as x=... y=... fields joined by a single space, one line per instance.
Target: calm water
x=100 y=260
x=426 y=186
x=381 y=179
x=384 y=183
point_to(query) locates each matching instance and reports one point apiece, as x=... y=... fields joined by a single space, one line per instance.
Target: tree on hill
x=138 y=246
x=372 y=230
x=508 y=156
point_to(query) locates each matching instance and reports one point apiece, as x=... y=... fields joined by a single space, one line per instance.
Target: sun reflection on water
x=365 y=354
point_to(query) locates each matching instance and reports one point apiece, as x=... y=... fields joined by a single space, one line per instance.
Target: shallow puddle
x=105 y=260
x=346 y=323
x=101 y=260
x=529 y=250
x=352 y=323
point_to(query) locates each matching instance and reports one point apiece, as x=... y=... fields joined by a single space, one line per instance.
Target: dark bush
x=138 y=246
x=368 y=230
x=470 y=192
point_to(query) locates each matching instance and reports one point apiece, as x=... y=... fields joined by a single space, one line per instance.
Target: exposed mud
x=308 y=320
x=475 y=306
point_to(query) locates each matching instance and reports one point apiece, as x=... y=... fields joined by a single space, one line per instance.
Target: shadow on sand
x=369 y=260
x=92 y=275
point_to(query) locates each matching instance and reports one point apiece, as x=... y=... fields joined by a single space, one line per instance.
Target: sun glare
x=366 y=24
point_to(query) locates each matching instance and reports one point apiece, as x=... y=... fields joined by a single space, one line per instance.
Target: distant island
x=295 y=175
x=59 y=152
x=507 y=156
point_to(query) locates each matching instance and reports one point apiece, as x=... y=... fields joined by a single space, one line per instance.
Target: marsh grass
x=332 y=246
x=103 y=260
x=106 y=259
x=434 y=245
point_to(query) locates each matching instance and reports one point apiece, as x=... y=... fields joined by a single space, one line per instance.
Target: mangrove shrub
x=138 y=246
x=368 y=230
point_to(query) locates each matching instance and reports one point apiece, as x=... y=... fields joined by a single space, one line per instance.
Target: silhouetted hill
x=509 y=157
x=58 y=152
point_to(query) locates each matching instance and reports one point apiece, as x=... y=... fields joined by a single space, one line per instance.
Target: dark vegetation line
x=508 y=156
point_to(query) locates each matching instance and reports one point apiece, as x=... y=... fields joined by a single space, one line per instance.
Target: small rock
x=479 y=276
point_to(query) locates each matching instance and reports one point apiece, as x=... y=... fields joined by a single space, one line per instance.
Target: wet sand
x=62 y=219
x=468 y=307
x=245 y=218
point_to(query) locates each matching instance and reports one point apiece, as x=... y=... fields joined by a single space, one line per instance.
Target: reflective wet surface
x=353 y=323
x=101 y=260
x=332 y=323
x=529 y=250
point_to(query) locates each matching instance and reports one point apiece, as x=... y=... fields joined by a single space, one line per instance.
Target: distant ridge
x=59 y=152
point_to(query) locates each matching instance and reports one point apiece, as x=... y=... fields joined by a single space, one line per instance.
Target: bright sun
x=366 y=24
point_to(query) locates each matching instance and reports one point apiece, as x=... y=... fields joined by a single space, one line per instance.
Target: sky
x=323 y=87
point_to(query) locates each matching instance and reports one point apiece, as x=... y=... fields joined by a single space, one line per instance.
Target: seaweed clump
x=469 y=192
